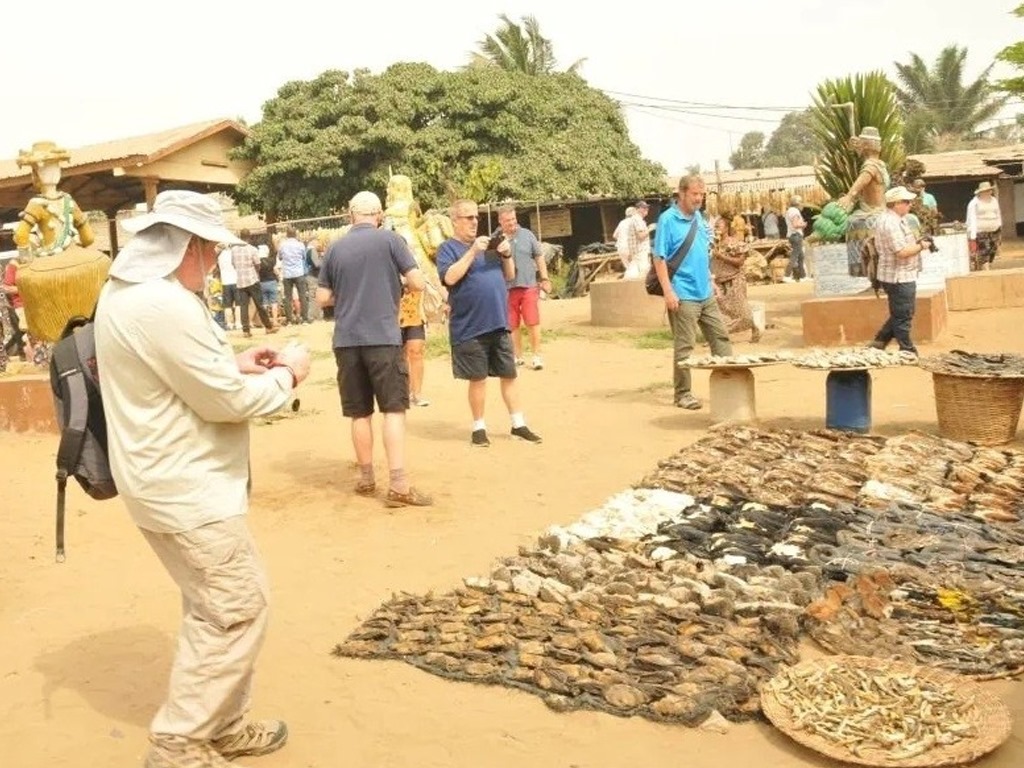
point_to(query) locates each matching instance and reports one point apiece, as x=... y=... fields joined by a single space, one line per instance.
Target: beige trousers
x=224 y=605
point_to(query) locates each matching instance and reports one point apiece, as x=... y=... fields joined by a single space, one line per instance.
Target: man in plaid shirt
x=899 y=261
x=246 y=261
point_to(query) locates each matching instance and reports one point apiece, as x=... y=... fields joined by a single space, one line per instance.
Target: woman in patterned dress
x=728 y=257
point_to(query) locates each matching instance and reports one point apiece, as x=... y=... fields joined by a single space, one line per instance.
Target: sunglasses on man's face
x=474 y=218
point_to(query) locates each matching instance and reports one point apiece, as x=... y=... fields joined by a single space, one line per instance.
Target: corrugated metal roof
x=969 y=163
x=137 y=148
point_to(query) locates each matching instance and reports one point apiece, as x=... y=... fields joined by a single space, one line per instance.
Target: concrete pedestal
x=986 y=290
x=626 y=304
x=840 y=320
x=26 y=404
x=732 y=395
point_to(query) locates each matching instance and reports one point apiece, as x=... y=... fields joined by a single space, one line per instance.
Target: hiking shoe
x=479 y=439
x=875 y=344
x=411 y=498
x=258 y=737
x=179 y=752
x=524 y=433
x=418 y=401
x=689 y=402
x=520 y=361
x=537 y=364
x=366 y=489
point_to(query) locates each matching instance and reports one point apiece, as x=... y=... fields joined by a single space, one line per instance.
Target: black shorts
x=368 y=373
x=488 y=355
x=230 y=297
x=414 y=333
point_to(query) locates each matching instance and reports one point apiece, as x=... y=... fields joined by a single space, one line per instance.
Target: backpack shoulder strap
x=75 y=400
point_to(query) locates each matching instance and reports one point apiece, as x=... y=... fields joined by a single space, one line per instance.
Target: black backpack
x=83 y=427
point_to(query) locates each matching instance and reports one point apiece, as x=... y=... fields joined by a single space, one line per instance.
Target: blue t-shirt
x=363 y=269
x=692 y=281
x=525 y=249
x=479 y=301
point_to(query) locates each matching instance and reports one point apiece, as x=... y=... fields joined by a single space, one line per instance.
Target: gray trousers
x=685 y=321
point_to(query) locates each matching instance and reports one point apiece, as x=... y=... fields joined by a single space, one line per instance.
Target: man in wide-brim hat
x=984 y=226
x=177 y=402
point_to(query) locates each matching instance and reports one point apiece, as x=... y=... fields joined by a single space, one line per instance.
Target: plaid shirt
x=891 y=235
x=246 y=260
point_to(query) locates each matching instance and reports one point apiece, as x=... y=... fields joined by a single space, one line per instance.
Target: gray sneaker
x=689 y=402
x=257 y=737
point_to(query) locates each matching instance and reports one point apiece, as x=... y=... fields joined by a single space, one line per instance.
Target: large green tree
x=750 y=152
x=481 y=132
x=842 y=108
x=792 y=143
x=519 y=48
x=1014 y=56
x=938 y=105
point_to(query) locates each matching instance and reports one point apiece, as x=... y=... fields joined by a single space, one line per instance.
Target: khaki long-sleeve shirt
x=176 y=405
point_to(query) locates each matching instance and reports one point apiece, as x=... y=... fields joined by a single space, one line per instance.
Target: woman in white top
x=984 y=226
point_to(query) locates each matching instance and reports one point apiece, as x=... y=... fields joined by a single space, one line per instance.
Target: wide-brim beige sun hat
x=985 y=186
x=896 y=194
x=190 y=211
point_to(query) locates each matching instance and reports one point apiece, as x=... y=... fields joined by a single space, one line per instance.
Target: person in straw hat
x=984 y=226
x=899 y=262
x=177 y=402
x=865 y=200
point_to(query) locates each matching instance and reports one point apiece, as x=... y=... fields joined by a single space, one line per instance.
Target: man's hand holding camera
x=927 y=243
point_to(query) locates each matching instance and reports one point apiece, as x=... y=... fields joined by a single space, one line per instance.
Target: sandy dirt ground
x=85 y=646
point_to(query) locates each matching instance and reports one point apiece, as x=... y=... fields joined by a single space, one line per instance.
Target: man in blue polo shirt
x=689 y=293
x=478 y=324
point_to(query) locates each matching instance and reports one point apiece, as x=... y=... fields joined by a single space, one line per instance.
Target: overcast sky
x=87 y=72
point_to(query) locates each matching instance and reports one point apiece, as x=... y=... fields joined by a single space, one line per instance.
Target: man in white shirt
x=177 y=401
x=795 y=225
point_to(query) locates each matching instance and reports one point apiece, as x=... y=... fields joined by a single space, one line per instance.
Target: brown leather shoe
x=412 y=498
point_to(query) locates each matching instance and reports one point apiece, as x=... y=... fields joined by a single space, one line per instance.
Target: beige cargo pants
x=224 y=618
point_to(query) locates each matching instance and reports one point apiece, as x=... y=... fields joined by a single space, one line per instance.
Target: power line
x=681 y=111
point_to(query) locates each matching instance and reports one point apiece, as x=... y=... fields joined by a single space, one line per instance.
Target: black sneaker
x=479 y=439
x=524 y=433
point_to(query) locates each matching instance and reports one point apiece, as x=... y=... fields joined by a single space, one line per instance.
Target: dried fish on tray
x=990 y=366
x=602 y=625
x=885 y=713
x=852 y=357
x=736 y=361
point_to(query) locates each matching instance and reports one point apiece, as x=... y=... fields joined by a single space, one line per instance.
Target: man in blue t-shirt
x=361 y=277
x=690 y=292
x=478 y=321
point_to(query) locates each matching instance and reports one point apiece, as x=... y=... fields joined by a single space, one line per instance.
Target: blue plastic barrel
x=848 y=401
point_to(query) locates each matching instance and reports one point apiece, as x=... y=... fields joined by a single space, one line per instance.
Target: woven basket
x=978 y=409
x=56 y=288
x=993 y=722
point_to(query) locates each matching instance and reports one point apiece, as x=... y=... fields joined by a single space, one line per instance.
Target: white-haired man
x=177 y=402
x=795 y=225
x=361 y=277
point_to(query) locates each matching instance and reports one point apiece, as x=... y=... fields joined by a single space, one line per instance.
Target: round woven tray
x=977 y=409
x=993 y=719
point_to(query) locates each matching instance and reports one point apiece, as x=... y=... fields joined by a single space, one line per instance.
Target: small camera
x=932 y=247
x=496 y=238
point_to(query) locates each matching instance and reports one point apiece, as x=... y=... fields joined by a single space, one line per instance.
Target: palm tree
x=873 y=101
x=518 y=48
x=937 y=103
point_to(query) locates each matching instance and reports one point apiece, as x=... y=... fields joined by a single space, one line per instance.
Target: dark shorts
x=230 y=297
x=488 y=355
x=368 y=373
x=414 y=333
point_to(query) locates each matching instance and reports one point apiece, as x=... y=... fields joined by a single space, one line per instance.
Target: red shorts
x=523 y=304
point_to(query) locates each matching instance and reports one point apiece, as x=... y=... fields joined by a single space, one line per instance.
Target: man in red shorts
x=524 y=289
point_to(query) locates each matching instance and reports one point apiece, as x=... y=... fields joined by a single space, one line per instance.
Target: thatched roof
x=971 y=163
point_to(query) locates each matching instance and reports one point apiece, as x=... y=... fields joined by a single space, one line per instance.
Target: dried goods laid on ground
x=739 y=361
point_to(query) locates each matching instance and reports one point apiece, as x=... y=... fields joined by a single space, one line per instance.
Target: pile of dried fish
x=853 y=357
x=601 y=625
x=866 y=709
x=960 y=363
x=790 y=468
x=760 y=358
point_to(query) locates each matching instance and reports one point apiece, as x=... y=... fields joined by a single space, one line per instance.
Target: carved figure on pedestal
x=865 y=200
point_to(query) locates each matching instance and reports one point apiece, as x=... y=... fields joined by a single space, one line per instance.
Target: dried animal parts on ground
x=959 y=363
x=853 y=357
x=794 y=469
x=601 y=626
x=738 y=361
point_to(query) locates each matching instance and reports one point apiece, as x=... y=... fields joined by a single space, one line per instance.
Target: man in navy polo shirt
x=478 y=324
x=689 y=293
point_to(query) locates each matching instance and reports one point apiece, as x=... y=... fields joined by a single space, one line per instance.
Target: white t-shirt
x=795 y=221
x=228 y=275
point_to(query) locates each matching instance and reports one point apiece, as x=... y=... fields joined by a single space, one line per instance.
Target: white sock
x=479 y=424
x=518 y=420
